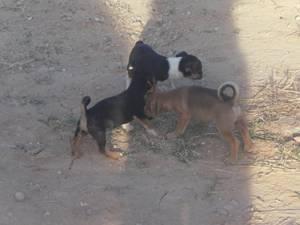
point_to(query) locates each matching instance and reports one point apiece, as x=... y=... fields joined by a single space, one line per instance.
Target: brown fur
x=205 y=105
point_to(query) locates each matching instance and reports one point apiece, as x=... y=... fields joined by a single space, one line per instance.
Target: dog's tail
x=81 y=130
x=83 y=119
x=225 y=89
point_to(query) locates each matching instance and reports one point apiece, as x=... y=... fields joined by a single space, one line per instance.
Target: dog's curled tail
x=83 y=120
x=225 y=95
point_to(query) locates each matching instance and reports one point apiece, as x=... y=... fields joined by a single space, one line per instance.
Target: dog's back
x=143 y=60
x=207 y=104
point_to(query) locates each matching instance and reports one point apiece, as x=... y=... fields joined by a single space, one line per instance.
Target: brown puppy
x=206 y=105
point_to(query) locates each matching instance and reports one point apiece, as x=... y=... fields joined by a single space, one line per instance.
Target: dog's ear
x=181 y=54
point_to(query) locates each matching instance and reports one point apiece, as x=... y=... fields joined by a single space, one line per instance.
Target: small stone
x=59 y=172
x=297 y=140
x=202 y=143
x=188 y=13
x=47 y=213
x=83 y=204
x=228 y=207
x=222 y=212
x=29 y=18
x=99 y=19
x=19 y=196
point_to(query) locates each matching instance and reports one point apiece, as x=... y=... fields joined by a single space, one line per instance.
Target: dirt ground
x=52 y=53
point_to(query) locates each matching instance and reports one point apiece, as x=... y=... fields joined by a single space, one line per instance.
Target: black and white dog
x=144 y=61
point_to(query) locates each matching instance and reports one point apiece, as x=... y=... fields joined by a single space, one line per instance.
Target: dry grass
x=274 y=112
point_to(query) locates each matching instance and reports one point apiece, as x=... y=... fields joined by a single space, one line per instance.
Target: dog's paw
x=249 y=147
x=152 y=132
x=171 y=135
x=127 y=126
x=114 y=153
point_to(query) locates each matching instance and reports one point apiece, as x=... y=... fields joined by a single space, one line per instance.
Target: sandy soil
x=54 y=52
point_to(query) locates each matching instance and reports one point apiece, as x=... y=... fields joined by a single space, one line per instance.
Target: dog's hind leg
x=100 y=137
x=242 y=126
x=233 y=142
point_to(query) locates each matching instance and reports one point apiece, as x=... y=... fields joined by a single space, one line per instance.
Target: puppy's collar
x=174 y=72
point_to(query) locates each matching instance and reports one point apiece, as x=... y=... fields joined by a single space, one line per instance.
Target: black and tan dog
x=144 y=61
x=110 y=113
x=203 y=104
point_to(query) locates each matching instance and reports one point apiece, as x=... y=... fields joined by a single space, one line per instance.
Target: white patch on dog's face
x=174 y=72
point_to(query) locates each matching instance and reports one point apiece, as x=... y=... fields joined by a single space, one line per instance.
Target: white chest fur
x=174 y=72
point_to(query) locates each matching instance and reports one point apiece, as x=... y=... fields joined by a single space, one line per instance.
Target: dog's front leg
x=181 y=125
x=145 y=123
x=128 y=81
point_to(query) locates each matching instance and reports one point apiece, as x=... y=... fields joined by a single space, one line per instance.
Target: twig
x=162 y=197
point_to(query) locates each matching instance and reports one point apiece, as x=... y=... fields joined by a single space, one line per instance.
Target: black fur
x=114 y=111
x=143 y=60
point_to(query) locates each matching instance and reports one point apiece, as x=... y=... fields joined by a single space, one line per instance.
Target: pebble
x=83 y=204
x=99 y=19
x=47 y=213
x=222 y=212
x=19 y=196
x=297 y=140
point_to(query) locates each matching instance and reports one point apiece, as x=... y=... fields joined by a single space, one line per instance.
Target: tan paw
x=127 y=127
x=249 y=147
x=114 y=153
